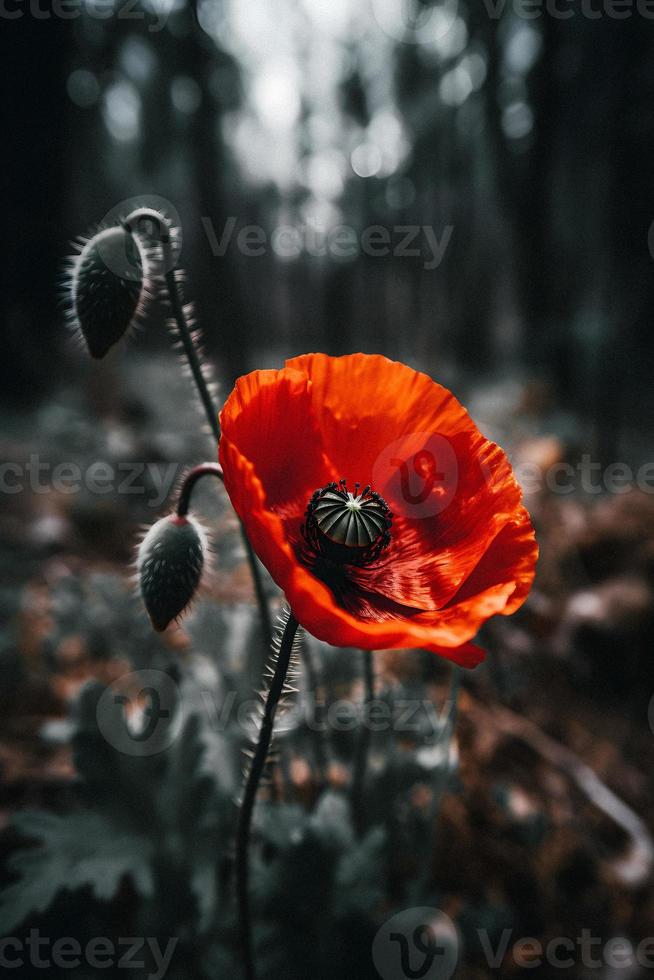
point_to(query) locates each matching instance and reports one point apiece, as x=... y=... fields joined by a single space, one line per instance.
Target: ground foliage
x=99 y=842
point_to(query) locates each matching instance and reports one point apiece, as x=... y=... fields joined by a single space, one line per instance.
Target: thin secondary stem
x=455 y=684
x=141 y=216
x=452 y=706
x=259 y=591
x=360 y=764
x=318 y=728
x=257 y=766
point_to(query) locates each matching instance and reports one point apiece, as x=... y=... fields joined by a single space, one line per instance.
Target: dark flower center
x=347 y=528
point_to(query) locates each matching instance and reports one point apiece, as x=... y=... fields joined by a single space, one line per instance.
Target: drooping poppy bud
x=107 y=288
x=169 y=565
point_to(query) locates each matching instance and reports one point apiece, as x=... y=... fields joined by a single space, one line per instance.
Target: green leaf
x=75 y=851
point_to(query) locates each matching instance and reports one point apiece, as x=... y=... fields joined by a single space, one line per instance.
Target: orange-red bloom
x=458 y=545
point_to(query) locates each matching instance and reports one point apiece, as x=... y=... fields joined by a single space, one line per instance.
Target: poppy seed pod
x=169 y=564
x=107 y=288
x=345 y=527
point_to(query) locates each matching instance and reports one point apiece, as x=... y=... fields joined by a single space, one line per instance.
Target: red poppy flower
x=378 y=507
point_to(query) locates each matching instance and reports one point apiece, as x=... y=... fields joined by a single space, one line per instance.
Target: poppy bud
x=107 y=287
x=169 y=566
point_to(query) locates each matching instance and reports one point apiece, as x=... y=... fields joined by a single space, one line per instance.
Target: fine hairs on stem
x=191 y=478
x=135 y=223
x=284 y=650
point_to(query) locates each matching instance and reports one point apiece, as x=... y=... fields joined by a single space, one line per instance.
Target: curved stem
x=191 y=478
x=360 y=764
x=252 y=785
x=139 y=217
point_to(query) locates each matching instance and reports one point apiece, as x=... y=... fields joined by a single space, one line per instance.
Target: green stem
x=191 y=478
x=186 y=337
x=317 y=726
x=360 y=764
x=452 y=705
x=140 y=217
x=257 y=766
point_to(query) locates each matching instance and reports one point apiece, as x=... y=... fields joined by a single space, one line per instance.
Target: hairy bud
x=169 y=566
x=107 y=288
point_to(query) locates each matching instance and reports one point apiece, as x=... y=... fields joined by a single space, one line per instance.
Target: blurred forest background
x=530 y=137
x=526 y=145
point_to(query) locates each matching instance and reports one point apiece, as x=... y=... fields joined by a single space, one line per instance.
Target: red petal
x=269 y=417
x=365 y=401
x=510 y=560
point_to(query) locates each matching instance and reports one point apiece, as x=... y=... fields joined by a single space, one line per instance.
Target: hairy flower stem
x=360 y=764
x=257 y=766
x=142 y=216
x=191 y=353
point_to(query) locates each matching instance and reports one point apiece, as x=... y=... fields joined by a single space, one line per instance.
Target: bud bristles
x=169 y=564
x=107 y=288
